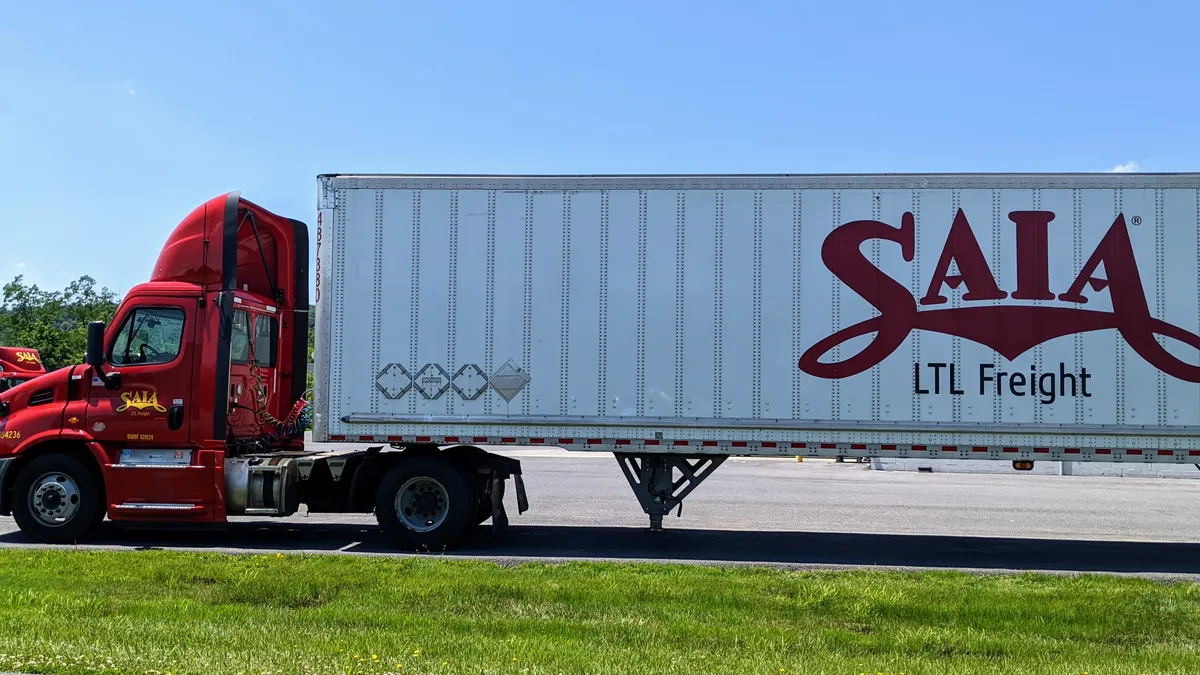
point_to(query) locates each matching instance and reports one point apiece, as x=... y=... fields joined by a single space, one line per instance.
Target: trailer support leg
x=652 y=478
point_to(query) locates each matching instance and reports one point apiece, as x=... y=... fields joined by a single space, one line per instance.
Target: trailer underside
x=665 y=464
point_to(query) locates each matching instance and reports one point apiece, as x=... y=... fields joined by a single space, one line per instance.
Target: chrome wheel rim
x=422 y=504
x=54 y=499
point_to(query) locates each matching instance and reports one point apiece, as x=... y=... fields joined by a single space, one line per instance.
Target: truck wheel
x=56 y=500
x=424 y=502
x=483 y=511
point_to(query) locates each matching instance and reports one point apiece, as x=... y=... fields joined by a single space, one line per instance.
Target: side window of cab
x=266 y=334
x=239 y=342
x=150 y=335
x=253 y=339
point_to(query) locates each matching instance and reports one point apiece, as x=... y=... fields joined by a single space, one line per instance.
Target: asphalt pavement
x=815 y=514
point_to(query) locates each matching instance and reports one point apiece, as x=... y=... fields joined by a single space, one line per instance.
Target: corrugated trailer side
x=1014 y=317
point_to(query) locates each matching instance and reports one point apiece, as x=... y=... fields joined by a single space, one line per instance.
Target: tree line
x=55 y=322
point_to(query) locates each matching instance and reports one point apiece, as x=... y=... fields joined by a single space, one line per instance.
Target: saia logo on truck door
x=27 y=357
x=140 y=400
x=1010 y=330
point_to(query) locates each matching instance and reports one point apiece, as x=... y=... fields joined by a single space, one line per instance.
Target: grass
x=169 y=612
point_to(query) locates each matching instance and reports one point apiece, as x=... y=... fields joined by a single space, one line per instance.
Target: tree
x=312 y=334
x=53 y=322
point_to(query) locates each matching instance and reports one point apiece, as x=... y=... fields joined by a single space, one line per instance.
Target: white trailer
x=679 y=320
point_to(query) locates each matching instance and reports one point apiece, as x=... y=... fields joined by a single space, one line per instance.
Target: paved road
x=779 y=512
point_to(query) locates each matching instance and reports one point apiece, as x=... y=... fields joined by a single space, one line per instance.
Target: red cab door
x=144 y=422
x=253 y=375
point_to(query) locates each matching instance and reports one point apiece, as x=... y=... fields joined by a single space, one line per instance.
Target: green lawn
x=141 y=612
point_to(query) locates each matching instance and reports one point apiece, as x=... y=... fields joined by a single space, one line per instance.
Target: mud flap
x=523 y=501
x=499 y=517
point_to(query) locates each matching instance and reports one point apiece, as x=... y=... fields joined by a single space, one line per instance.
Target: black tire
x=426 y=472
x=467 y=458
x=483 y=511
x=88 y=513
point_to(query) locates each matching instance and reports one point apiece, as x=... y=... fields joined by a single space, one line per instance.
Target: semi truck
x=672 y=321
x=18 y=364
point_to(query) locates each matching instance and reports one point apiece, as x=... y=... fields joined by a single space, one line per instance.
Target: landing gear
x=652 y=478
x=57 y=500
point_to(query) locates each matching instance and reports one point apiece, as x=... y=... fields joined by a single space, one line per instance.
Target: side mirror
x=95 y=355
x=95 y=344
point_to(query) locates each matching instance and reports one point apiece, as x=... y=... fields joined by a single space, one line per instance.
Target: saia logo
x=1010 y=330
x=140 y=400
x=27 y=357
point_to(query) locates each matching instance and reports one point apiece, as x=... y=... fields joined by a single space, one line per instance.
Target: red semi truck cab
x=190 y=405
x=17 y=365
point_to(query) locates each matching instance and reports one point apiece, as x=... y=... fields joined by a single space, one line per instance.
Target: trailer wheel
x=424 y=503
x=56 y=500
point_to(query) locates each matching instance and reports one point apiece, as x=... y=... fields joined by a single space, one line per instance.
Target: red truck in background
x=17 y=365
x=190 y=407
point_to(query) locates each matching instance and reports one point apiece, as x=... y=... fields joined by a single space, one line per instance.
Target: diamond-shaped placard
x=432 y=381
x=393 y=381
x=470 y=382
x=508 y=381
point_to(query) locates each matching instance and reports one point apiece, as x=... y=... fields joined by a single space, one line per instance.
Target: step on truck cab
x=191 y=408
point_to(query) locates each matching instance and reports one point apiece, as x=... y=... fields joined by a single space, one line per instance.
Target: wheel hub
x=54 y=499
x=422 y=504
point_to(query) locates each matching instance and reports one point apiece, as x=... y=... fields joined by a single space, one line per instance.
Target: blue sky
x=114 y=123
